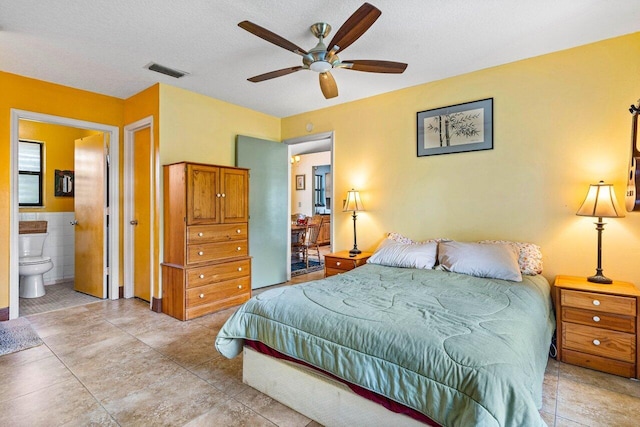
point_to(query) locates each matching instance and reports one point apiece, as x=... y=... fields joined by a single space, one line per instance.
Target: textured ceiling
x=103 y=45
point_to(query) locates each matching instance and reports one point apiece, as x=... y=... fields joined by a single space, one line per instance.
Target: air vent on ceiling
x=166 y=70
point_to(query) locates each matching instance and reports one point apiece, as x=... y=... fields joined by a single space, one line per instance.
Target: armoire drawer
x=218 y=291
x=207 y=252
x=199 y=276
x=216 y=233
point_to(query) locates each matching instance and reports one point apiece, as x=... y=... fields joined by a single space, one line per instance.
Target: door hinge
x=106 y=211
x=107 y=271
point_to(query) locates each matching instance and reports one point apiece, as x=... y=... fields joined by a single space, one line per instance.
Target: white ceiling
x=103 y=45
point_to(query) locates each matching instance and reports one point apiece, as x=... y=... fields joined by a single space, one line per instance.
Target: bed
x=443 y=347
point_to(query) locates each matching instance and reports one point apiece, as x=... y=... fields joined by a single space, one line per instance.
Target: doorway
x=111 y=237
x=311 y=188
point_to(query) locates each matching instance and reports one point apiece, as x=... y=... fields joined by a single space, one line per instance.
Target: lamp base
x=599 y=278
x=355 y=251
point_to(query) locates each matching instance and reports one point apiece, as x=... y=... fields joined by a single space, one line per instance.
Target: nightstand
x=339 y=262
x=597 y=325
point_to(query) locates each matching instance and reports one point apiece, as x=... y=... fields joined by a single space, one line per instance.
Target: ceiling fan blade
x=355 y=26
x=328 y=85
x=373 y=66
x=271 y=37
x=274 y=74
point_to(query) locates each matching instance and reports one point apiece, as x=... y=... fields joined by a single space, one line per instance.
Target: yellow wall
x=37 y=96
x=198 y=128
x=560 y=123
x=58 y=153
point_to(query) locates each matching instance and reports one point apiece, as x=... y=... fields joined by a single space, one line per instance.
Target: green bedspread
x=462 y=350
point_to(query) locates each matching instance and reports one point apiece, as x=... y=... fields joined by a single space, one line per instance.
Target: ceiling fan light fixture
x=320 y=66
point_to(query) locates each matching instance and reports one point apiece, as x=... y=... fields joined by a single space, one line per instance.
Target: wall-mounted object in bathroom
x=63 y=185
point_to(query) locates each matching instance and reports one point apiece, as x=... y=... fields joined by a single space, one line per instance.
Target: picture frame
x=63 y=183
x=300 y=182
x=457 y=128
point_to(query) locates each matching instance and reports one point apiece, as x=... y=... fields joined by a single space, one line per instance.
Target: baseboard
x=4 y=314
x=156 y=304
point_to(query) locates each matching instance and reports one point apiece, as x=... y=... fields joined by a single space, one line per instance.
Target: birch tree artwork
x=449 y=129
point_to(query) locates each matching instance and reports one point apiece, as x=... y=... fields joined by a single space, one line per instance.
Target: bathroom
x=55 y=202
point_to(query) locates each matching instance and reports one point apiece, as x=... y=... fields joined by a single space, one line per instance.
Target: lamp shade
x=353 y=202
x=600 y=202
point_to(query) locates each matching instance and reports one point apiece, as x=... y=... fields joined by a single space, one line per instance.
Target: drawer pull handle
x=239 y=248
x=338 y=263
x=239 y=268
x=202 y=276
x=238 y=231
x=201 y=295
x=596 y=302
x=596 y=342
x=239 y=286
x=200 y=234
x=596 y=318
x=200 y=253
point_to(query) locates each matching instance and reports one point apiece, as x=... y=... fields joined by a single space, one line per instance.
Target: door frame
x=310 y=140
x=114 y=203
x=129 y=204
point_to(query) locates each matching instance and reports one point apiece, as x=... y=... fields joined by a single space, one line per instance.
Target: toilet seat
x=32 y=260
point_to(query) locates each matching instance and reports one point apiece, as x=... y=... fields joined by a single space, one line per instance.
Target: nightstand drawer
x=599 y=320
x=599 y=302
x=601 y=342
x=339 y=263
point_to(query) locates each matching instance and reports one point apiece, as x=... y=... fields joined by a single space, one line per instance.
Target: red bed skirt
x=367 y=394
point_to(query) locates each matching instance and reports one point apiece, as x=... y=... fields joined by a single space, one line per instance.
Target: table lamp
x=353 y=204
x=601 y=203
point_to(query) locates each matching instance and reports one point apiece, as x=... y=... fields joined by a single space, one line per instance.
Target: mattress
x=459 y=349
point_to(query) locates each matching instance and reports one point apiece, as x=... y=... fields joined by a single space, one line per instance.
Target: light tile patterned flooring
x=118 y=363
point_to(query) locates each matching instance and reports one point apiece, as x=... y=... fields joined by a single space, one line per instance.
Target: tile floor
x=118 y=363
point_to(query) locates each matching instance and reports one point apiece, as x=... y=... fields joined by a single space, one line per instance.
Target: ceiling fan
x=322 y=59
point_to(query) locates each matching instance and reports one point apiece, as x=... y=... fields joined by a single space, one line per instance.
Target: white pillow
x=497 y=261
x=529 y=258
x=395 y=254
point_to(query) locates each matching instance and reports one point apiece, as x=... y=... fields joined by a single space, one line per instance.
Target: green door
x=268 y=209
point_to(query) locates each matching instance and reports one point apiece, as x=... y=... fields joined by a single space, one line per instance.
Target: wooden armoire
x=206 y=248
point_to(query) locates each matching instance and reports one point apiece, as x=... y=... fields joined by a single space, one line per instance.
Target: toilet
x=32 y=265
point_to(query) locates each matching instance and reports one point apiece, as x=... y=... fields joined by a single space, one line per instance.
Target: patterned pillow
x=399 y=238
x=529 y=255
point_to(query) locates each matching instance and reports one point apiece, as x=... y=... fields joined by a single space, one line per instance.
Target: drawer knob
x=239 y=248
x=202 y=276
x=238 y=231
x=200 y=253
x=596 y=342
x=596 y=318
x=596 y=302
x=200 y=234
x=239 y=268
x=201 y=295
x=239 y=286
x=338 y=263
x=218 y=195
x=223 y=195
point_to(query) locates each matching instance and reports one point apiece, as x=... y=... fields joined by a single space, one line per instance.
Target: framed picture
x=63 y=183
x=456 y=129
x=299 y=182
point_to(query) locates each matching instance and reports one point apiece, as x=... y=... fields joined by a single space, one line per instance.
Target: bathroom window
x=30 y=173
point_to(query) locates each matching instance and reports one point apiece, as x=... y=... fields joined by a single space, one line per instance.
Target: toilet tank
x=31 y=244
